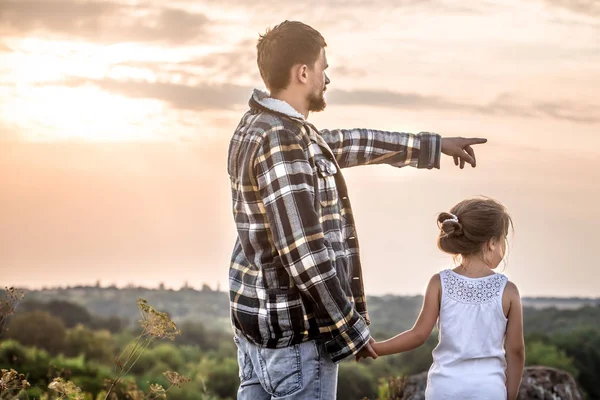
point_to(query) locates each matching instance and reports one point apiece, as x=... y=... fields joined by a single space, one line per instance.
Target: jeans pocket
x=281 y=370
x=244 y=362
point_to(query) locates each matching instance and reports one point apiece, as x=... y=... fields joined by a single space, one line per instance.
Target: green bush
x=223 y=379
x=95 y=345
x=12 y=354
x=540 y=353
x=38 y=329
x=355 y=382
x=583 y=347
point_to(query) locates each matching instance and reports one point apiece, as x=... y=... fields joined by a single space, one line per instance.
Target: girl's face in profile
x=495 y=252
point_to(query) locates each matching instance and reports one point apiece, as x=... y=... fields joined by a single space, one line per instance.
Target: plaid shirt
x=295 y=272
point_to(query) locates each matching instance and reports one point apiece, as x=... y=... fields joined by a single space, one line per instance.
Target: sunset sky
x=115 y=117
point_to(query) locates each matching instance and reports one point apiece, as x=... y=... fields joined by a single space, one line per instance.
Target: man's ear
x=300 y=73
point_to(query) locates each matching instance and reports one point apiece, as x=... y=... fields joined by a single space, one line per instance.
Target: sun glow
x=86 y=113
x=38 y=98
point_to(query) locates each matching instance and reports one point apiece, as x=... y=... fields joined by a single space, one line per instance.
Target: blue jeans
x=298 y=372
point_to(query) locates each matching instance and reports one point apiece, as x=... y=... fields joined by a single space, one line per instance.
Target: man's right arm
x=285 y=183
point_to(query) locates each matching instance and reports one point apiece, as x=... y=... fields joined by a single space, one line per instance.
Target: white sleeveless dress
x=469 y=362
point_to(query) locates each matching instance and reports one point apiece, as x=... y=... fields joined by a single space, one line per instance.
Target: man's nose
x=327 y=81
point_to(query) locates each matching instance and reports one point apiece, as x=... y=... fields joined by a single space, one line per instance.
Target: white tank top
x=469 y=362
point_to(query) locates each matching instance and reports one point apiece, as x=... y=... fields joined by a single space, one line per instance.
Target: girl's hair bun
x=449 y=224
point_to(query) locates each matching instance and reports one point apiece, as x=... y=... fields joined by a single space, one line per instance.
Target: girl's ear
x=490 y=246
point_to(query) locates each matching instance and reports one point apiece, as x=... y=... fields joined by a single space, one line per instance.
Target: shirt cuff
x=349 y=342
x=430 y=150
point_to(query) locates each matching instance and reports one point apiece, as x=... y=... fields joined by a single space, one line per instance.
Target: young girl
x=481 y=350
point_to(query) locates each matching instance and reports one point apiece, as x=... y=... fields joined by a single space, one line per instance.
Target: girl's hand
x=377 y=347
x=415 y=337
x=367 y=351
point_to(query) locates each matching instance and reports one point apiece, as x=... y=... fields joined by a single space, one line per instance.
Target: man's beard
x=317 y=102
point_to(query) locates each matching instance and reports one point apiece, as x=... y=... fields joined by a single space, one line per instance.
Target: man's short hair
x=287 y=44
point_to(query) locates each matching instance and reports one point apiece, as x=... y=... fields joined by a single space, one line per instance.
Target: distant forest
x=388 y=313
x=76 y=333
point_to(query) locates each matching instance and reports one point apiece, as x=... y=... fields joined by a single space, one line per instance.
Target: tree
x=223 y=379
x=112 y=324
x=583 y=347
x=169 y=354
x=39 y=329
x=8 y=303
x=97 y=345
x=12 y=354
x=206 y=288
x=540 y=353
x=194 y=333
x=30 y=361
x=355 y=382
x=70 y=313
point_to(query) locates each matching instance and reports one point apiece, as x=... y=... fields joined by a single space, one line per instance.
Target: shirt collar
x=263 y=100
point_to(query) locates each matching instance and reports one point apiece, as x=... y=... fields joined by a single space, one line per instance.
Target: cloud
x=576 y=24
x=503 y=104
x=570 y=112
x=507 y=104
x=199 y=97
x=243 y=52
x=585 y=7
x=349 y=72
x=101 y=21
x=206 y=96
x=8 y=132
x=238 y=63
x=340 y=5
x=383 y=98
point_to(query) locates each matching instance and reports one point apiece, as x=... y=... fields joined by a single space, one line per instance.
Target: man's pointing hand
x=460 y=149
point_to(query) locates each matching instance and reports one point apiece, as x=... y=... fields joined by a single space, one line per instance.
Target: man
x=296 y=292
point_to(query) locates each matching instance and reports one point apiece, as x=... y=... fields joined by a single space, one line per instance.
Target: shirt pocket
x=285 y=312
x=326 y=171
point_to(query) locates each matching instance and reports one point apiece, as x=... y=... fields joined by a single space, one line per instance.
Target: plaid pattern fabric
x=295 y=272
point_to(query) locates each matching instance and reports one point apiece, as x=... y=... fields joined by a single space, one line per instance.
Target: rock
x=408 y=388
x=544 y=383
x=539 y=383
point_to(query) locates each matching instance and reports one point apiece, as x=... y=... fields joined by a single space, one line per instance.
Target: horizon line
x=218 y=290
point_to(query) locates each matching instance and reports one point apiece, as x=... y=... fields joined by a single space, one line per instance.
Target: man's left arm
x=354 y=147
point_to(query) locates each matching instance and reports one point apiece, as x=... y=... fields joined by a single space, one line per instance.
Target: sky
x=115 y=117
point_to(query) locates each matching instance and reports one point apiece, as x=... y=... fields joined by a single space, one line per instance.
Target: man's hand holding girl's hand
x=367 y=351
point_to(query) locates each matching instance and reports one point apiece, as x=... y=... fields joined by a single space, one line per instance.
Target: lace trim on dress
x=474 y=291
